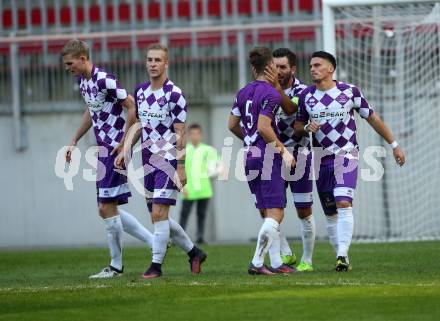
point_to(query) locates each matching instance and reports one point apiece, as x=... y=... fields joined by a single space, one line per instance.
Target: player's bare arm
x=179 y=129
x=269 y=136
x=131 y=137
x=234 y=126
x=287 y=104
x=379 y=126
x=131 y=119
x=301 y=129
x=86 y=123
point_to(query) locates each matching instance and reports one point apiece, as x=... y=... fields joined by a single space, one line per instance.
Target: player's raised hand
x=70 y=148
x=271 y=74
x=312 y=127
x=399 y=156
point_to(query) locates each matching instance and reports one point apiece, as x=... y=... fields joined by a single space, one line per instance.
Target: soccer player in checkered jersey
x=328 y=109
x=301 y=187
x=105 y=100
x=252 y=120
x=161 y=110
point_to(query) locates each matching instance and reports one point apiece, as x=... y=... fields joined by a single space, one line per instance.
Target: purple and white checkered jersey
x=286 y=122
x=103 y=95
x=334 y=111
x=158 y=110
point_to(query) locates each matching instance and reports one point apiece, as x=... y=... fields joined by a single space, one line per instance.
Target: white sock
x=274 y=251
x=268 y=232
x=160 y=240
x=345 y=230
x=285 y=248
x=132 y=226
x=179 y=236
x=113 y=226
x=308 y=231
x=332 y=230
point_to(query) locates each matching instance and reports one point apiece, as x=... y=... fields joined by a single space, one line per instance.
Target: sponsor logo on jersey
x=328 y=115
x=159 y=115
x=94 y=106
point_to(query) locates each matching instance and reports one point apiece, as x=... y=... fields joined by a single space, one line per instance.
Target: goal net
x=390 y=50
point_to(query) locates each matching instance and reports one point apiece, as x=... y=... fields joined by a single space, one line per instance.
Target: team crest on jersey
x=162 y=101
x=312 y=101
x=94 y=91
x=342 y=99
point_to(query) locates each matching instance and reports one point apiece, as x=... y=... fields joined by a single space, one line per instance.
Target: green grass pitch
x=393 y=281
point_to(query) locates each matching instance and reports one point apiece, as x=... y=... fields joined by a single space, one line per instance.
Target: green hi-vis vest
x=198 y=161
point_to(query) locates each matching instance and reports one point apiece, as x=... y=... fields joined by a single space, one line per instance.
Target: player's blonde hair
x=76 y=48
x=158 y=46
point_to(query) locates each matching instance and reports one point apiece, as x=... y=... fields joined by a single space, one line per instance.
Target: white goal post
x=390 y=49
x=328 y=17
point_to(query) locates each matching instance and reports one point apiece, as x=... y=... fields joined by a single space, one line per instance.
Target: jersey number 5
x=249 y=119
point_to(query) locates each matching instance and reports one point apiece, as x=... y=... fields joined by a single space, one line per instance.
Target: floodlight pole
x=16 y=102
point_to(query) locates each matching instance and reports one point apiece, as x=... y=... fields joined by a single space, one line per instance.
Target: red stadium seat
x=183 y=10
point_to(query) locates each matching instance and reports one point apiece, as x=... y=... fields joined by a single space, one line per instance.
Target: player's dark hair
x=325 y=55
x=285 y=52
x=195 y=126
x=260 y=58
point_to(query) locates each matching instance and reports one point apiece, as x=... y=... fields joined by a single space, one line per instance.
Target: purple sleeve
x=178 y=107
x=302 y=115
x=270 y=105
x=360 y=104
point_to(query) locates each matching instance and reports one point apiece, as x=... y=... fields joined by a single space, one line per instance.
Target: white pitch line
x=198 y=284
